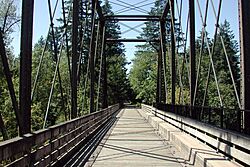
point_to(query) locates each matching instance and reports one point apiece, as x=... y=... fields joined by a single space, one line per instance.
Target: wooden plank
x=41 y=137
x=42 y=152
x=57 y=137
x=54 y=132
x=13 y=147
x=55 y=144
x=54 y=155
x=21 y=162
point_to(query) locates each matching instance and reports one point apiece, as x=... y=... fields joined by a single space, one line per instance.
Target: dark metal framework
x=25 y=66
x=244 y=15
x=23 y=111
x=74 y=58
x=192 y=49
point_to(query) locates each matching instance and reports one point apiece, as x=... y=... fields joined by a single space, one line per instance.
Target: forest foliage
x=143 y=75
x=142 y=78
x=59 y=108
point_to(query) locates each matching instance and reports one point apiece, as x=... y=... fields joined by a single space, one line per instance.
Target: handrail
x=230 y=143
x=47 y=146
x=225 y=118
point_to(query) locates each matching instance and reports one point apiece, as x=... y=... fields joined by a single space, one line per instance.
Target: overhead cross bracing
x=72 y=73
x=177 y=45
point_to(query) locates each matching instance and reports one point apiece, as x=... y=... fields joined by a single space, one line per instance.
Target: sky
x=41 y=19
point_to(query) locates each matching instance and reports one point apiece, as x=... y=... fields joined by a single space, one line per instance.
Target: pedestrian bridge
x=128 y=136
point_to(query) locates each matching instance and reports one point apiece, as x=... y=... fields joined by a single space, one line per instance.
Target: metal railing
x=233 y=144
x=231 y=119
x=48 y=146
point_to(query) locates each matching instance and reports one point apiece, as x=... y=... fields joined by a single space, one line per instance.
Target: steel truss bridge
x=162 y=134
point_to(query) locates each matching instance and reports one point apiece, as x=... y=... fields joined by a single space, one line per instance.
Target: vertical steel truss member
x=159 y=77
x=192 y=50
x=244 y=15
x=25 y=66
x=173 y=69
x=104 y=66
x=163 y=88
x=92 y=57
x=163 y=48
x=74 y=58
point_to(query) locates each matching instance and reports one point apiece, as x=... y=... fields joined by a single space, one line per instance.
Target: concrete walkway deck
x=133 y=142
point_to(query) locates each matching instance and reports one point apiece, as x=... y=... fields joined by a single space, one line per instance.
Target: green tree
x=8 y=20
x=118 y=83
x=221 y=68
x=143 y=76
x=43 y=88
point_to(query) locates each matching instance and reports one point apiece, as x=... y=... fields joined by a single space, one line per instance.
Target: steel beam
x=192 y=50
x=104 y=67
x=132 y=40
x=92 y=58
x=132 y=16
x=159 y=77
x=26 y=66
x=99 y=10
x=165 y=11
x=173 y=68
x=163 y=52
x=244 y=17
x=74 y=58
x=132 y=19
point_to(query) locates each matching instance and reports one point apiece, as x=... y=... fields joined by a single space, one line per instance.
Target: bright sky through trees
x=41 y=19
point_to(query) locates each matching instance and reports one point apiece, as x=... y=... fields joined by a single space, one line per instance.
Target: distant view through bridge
x=125 y=83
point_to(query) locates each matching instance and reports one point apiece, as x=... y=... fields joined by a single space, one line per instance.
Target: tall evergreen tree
x=221 y=68
x=139 y=77
x=118 y=84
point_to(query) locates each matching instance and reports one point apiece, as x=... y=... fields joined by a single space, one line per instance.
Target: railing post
x=221 y=117
x=28 y=142
x=209 y=115
x=238 y=120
